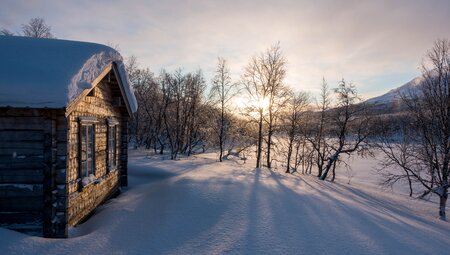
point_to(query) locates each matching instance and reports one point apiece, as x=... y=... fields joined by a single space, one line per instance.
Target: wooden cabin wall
x=100 y=104
x=123 y=154
x=33 y=146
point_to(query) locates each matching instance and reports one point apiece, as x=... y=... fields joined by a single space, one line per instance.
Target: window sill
x=88 y=181
x=113 y=169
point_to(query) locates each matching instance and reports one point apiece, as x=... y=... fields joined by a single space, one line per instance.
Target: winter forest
x=249 y=163
x=293 y=131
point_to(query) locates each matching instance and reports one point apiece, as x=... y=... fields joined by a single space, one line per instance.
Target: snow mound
x=52 y=73
x=90 y=70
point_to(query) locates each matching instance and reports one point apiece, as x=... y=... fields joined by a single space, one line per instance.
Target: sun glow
x=244 y=102
x=262 y=103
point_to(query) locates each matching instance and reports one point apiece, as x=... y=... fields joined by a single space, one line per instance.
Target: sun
x=245 y=102
x=262 y=103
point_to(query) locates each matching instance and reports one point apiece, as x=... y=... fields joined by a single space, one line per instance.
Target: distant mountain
x=392 y=97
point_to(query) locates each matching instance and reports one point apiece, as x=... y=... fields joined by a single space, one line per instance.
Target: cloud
x=376 y=44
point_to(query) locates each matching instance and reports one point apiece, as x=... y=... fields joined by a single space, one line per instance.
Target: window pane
x=87 y=150
x=83 y=168
x=92 y=149
x=112 y=146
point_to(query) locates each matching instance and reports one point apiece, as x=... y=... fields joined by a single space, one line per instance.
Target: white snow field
x=200 y=206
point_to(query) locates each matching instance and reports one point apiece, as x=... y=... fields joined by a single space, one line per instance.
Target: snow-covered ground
x=199 y=206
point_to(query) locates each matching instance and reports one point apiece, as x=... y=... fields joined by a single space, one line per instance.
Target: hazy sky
x=376 y=44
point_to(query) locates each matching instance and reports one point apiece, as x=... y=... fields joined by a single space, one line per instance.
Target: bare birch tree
x=222 y=91
x=182 y=96
x=6 y=32
x=296 y=108
x=317 y=136
x=394 y=141
x=263 y=80
x=37 y=28
x=427 y=149
x=350 y=126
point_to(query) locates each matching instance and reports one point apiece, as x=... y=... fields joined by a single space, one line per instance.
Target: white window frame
x=86 y=143
x=112 y=144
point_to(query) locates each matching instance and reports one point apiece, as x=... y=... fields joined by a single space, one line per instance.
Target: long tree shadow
x=156 y=227
x=385 y=205
x=253 y=214
x=321 y=220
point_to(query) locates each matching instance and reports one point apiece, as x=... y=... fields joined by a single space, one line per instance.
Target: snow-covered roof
x=52 y=73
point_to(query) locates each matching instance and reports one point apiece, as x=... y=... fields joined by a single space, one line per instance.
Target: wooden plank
x=28 y=163
x=21 y=136
x=20 y=112
x=22 y=179
x=21 y=149
x=61 y=120
x=62 y=135
x=61 y=149
x=16 y=150
x=38 y=145
x=24 y=204
x=21 y=123
x=8 y=218
x=13 y=171
x=13 y=191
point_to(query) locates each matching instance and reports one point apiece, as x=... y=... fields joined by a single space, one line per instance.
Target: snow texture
x=30 y=187
x=52 y=73
x=86 y=180
x=199 y=206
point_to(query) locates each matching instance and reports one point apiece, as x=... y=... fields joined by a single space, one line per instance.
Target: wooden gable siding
x=101 y=104
x=32 y=170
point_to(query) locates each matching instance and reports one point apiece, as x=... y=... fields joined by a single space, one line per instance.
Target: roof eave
x=122 y=90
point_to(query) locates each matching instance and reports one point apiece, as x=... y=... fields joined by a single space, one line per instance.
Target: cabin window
x=87 y=151
x=112 y=146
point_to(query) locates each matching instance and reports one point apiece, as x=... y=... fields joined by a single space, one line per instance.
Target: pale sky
x=377 y=45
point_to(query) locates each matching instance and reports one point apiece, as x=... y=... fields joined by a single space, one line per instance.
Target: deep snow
x=199 y=206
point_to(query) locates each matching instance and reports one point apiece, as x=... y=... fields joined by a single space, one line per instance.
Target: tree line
x=291 y=129
x=178 y=114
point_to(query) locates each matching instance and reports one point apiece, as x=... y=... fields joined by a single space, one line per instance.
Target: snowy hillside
x=200 y=206
x=392 y=96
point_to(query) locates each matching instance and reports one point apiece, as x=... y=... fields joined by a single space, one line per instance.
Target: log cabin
x=64 y=112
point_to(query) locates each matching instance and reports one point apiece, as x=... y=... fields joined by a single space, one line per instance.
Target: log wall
x=32 y=170
x=99 y=103
x=40 y=189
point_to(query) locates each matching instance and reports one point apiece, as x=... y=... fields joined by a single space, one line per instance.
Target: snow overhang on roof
x=51 y=73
